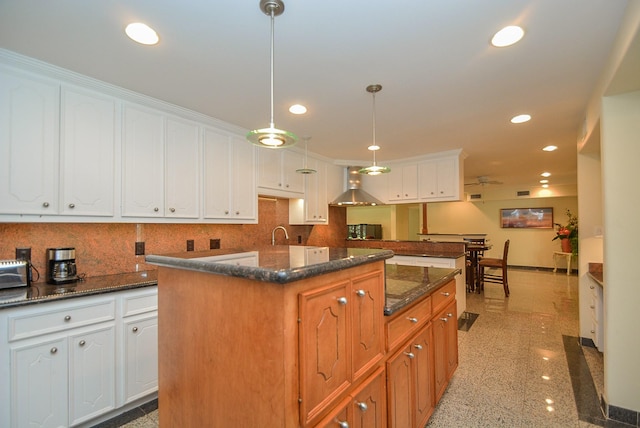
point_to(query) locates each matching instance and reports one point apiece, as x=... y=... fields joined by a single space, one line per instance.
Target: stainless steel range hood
x=355 y=196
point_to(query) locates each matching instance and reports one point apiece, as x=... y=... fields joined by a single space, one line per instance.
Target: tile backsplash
x=109 y=248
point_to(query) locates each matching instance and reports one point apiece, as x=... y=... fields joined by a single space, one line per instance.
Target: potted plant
x=568 y=234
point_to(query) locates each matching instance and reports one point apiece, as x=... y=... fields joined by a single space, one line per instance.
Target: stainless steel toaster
x=13 y=273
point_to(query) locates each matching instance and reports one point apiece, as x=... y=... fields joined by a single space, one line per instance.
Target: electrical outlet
x=299 y=239
x=214 y=244
x=23 y=254
x=190 y=244
x=139 y=248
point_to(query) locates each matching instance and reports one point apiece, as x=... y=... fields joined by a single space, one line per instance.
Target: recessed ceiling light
x=507 y=36
x=521 y=118
x=550 y=148
x=546 y=174
x=373 y=147
x=297 y=109
x=545 y=186
x=544 y=181
x=142 y=33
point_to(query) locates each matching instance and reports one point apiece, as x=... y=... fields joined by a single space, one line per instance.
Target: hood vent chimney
x=355 y=196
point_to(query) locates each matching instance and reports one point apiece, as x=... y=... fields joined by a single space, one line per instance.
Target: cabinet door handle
x=54 y=350
x=592 y=331
x=410 y=354
x=156 y=209
x=237 y=212
x=444 y=319
x=360 y=293
x=67 y=318
x=134 y=329
x=46 y=205
x=72 y=206
x=445 y=294
x=592 y=287
x=418 y=347
x=363 y=406
x=172 y=210
x=592 y=306
x=226 y=211
x=450 y=315
x=82 y=343
x=343 y=424
x=342 y=300
x=413 y=319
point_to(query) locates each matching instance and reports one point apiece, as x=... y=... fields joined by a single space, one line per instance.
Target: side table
x=560 y=254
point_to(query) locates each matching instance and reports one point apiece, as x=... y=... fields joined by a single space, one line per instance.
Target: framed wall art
x=520 y=218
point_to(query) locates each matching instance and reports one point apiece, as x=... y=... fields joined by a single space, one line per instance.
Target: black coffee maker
x=61 y=265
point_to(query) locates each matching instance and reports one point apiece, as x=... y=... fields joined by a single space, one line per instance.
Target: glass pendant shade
x=374 y=169
x=272 y=137
x=306 y=169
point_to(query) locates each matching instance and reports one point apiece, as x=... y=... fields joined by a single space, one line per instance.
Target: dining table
x=474 y=249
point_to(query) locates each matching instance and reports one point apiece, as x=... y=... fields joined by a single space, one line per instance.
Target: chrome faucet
x=273 y=234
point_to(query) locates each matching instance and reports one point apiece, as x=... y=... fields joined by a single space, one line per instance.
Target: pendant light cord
x=374 y=128
x=272 y=31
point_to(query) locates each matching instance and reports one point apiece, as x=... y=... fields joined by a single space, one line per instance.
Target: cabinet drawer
x=406 y=323
x=47 y=319
x=140 y=302
x=443 y=295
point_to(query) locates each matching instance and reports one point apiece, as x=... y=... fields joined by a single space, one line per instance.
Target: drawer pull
x=450 y=315
x=445 y=294
x=72 y=206
x=444 y=319
x=592 y=287
x=342 y=424
x=172 y=209
x=82 y=343
x=45 y=204
x=363 y=406
x=410 y=354
x=592 y=331
x=413 y=319
x=67 y=318
x=592 y=306
x=156 y=209
x=418 y=347
x=342 y=300
x=360 y=293
x=134 y=329
x=54 y=350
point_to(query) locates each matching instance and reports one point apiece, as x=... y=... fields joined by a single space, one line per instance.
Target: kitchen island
x=287 y=336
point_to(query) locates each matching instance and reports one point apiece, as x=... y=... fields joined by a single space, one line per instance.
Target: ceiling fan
x=483 y=180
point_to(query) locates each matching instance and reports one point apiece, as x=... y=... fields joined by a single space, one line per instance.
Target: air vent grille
x=475 y=196
x=520 y=193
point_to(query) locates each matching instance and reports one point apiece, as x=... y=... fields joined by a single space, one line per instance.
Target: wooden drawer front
x=140 y=302
x=46 y=320
x=406 y=323
x=442 y=296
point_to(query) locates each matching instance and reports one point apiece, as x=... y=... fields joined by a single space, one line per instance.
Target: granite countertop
x=596 y=272
x=274 y=263
x=40 y=292
x=443 y=255
x=405 y=284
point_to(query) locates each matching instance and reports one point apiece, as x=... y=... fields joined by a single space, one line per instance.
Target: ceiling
x=444 y=86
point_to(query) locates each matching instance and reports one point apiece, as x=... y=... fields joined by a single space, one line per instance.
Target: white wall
x=620 y=155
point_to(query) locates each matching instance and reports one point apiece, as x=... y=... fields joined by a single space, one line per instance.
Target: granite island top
x=41 y=292
x=405 y=284
x=274 y=263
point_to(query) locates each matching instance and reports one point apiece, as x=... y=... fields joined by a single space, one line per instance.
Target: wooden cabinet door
x=87 y=153
x=29 y=137
x=367 y=321
x=325 y=353
x=452 y=339
x=423 y=363
x=368 y=406
x=440 y=359
x=39 y=382
x=400 y=389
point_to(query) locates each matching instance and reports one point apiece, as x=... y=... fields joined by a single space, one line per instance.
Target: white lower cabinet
x=75 y=361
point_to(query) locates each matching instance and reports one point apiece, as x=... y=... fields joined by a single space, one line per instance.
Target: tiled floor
x=514 y=360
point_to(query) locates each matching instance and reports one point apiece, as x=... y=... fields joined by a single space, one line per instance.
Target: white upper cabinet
x=87 y=153
x=314 y=208
x=29 y=143
x=403 y=183
x=229 y=178
x=182 y=169
x=441 y=179
x=160 y=168
x=277 y=172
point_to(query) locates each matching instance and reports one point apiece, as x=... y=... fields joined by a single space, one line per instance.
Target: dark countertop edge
x=434 y=255
x=280 y=276
x=453 y=234
x=420 y=292
x=75 y=294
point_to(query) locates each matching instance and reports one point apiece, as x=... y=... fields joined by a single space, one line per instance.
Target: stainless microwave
x=14 y=273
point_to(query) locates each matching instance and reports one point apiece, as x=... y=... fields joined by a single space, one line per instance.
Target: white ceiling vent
x=474 y=197
x=521 y=193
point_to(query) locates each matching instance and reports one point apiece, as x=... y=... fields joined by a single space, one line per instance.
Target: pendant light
x=306 y=170
x=374 y=169
x=271 y=137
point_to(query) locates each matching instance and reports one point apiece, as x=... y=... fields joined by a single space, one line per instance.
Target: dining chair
x=491 y=263
x=470 y=259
